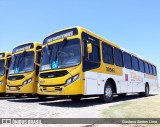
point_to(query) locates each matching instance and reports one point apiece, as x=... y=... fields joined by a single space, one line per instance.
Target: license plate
x=13 y=88
x=50 y=89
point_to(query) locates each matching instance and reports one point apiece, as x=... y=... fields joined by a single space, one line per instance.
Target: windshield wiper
x=59 y=50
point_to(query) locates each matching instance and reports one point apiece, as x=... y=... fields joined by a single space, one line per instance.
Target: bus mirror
x=89 y=48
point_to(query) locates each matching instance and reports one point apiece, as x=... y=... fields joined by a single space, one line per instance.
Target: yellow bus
x=78 y=63
x=24 y=69
x=5 y=59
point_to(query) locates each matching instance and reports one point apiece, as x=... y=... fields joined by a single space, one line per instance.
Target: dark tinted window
x=141 y=65
x=150 y=69
x=95 y=55
x=107 y=54
x=135 y=63
x=146 y=67
x=90 y=61
x=118 y=57
x=39 y=47
x=154 y=70
x=8 y=62
x=127 y=60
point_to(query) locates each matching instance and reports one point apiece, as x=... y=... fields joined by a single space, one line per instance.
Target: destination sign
x=23 y=47
x=60 y=35
x=2 y=55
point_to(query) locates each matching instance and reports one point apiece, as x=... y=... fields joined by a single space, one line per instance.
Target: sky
x=131 y=24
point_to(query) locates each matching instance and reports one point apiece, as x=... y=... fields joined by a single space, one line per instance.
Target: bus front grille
x=54 y=74
x=17 y=77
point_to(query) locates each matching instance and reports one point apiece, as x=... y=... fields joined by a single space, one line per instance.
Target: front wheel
x=108 y=93
x=18 y=96
x=76 y=98
x=41 y=97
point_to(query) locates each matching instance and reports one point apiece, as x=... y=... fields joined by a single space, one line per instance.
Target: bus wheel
x=41 y=97
x=18 y=96
x=75 y=98
x=108 y=93
x=146 y=93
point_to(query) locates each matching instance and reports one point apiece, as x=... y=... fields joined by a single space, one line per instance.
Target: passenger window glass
x=146 y=68
x=135 y=63
x=95 y=55
x=107 y=54
x=118 y=57
x=150 y=69
x=141 y=65
x=127 y=60
x=154 y=70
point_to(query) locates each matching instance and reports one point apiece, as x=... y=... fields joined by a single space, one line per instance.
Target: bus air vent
x=13 y=78
x=54 y=74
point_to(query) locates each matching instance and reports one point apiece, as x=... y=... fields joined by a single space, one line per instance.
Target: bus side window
x=150 y=69
x=154 y=70
x=95 y=55
x=38 y=60
x=127 y=60
x=38 y=57
x=8 y=62
x=141 y=65
x=90 y=60
x=107 y=52
x=135 y=63
x=118 y=57
x=146 y=67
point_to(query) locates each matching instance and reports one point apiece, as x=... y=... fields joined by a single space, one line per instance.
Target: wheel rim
x=108 y=91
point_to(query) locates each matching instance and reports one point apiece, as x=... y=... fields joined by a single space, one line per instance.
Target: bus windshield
x=22 y=63
x=61 y=55
x=1 y=67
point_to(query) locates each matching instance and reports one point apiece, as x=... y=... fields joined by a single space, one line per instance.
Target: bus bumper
x=75 y=88
x=30 y=88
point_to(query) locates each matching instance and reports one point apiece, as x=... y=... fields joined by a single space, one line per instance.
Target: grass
x=147 y=107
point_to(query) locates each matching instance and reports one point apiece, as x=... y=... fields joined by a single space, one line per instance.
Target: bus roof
x=5 y=54
x=24 y=46
x=102 y=39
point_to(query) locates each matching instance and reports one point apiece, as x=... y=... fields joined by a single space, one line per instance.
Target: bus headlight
x=27 y=81
x=1 y=82
x=72 y=79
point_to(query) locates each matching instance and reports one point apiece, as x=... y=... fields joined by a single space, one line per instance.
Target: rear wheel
x=146 y=93
x=108 y=93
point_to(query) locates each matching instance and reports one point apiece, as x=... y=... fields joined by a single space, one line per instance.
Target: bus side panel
x=95 y=82
x=152 y=81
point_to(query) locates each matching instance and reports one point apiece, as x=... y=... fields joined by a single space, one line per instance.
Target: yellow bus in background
x=78 y=63
x=24 y=69
x=5 y=59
